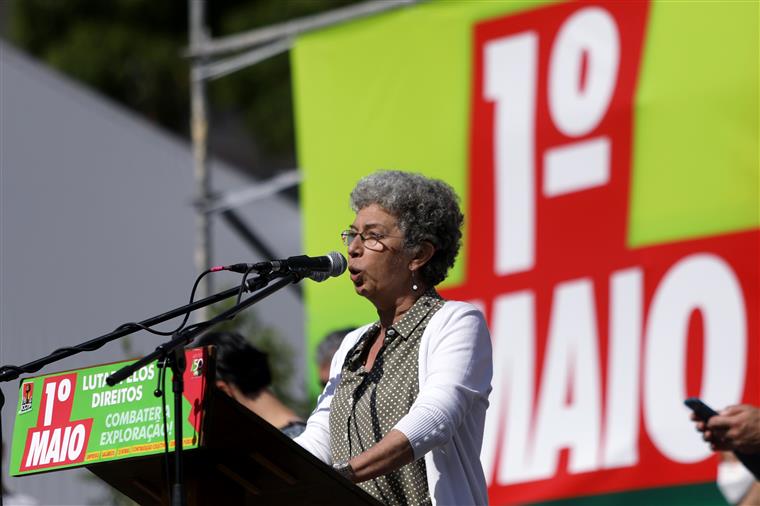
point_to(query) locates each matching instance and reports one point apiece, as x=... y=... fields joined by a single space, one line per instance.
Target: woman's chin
x=361 y=290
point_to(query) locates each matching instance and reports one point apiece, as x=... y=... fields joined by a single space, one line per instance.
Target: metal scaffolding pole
x=208 y=62
x=199 y=132
x=294 y=27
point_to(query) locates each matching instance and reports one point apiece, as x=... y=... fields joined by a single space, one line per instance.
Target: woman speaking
x=403 y=412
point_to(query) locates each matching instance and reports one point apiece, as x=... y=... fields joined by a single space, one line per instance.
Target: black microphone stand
x=12 y=372
x=172 y=353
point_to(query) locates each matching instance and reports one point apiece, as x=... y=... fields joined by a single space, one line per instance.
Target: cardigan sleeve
x=455 y=372
x=316 y=437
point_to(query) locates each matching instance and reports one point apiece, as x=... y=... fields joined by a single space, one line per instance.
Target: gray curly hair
x=426 y=209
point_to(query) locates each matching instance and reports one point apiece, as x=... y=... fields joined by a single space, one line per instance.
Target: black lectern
x=242 y=460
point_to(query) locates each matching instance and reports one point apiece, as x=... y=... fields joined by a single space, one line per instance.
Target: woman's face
x=382 y=273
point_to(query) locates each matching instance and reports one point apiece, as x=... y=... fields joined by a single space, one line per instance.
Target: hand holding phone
x=702 y=410
x=704 y=413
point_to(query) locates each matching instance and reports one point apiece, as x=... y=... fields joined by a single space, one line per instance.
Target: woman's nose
x=355 y=247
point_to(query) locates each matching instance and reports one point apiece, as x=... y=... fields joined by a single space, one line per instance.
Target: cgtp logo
x=27 y=397
x=595 y=344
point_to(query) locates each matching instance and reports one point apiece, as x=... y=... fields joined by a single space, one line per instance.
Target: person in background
x=242 y=372
x=735 y=428
x=326 y=350
x=403 y=412
x=736 y=483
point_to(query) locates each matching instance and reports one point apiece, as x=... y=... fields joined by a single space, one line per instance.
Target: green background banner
x=393 y=92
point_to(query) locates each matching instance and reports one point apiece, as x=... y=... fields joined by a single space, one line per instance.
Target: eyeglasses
x=370 y=240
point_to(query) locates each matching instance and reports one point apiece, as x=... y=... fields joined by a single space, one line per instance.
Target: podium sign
x=74 y=418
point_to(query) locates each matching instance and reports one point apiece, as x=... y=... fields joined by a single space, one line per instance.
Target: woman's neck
x=396 y=309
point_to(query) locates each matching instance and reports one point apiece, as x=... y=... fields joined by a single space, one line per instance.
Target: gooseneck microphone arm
x=11 y=372
x=337 y=267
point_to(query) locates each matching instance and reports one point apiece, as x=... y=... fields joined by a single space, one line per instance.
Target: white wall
x=97 y=228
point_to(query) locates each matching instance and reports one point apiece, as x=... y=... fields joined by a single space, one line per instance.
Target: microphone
x=316 y=268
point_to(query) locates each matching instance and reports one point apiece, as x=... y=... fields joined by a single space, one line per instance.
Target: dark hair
x=427 y=209
x=330 y=344
x=238 y=361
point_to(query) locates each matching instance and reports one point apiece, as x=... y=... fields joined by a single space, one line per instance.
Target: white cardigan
x=445 y=423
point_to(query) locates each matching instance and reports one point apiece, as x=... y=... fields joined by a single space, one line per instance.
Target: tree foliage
x=131 y=50
x=127 y=49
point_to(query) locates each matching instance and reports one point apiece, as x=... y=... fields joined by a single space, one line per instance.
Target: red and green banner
x=606 y=154
x=74 y=418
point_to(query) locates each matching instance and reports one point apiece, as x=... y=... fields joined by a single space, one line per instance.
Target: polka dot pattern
x=368 y=404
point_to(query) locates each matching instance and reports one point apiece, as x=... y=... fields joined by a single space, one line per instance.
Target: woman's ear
x=424 y=253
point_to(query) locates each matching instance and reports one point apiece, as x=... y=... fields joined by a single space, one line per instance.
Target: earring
x=414 y=283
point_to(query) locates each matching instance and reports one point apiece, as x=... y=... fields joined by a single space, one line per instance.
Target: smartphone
x=702 y=410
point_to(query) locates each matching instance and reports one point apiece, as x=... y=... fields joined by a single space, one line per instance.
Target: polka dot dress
x=368 y=404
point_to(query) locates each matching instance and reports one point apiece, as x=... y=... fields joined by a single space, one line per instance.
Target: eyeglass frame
x=348 y=236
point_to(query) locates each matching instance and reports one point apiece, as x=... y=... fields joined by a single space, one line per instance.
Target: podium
x=242 y=460
x=231 y=455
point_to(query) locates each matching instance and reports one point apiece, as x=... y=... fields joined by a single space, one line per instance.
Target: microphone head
x=338 y=266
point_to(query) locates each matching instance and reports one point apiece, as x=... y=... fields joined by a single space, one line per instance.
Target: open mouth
x=356 y=276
